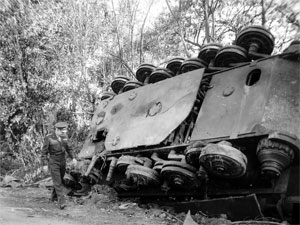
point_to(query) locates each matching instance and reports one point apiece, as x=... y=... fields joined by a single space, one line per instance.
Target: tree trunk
x=263 y=13
x=180 y=29
x=206 y=22
x=142 y=31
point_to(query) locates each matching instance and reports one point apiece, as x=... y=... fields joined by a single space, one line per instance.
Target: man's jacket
x=54 y=147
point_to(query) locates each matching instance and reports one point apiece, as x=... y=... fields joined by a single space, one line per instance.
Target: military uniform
x=53 y=154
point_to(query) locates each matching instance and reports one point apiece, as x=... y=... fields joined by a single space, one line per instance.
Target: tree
x=220 y=21
x=27 y=63
x=56 y=59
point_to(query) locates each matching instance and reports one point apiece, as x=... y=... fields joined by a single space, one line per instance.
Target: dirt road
x=31 y=206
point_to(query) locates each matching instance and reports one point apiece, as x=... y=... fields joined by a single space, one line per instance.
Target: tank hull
x=231 y=133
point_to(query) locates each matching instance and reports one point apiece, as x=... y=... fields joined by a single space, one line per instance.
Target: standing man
x=53 y=157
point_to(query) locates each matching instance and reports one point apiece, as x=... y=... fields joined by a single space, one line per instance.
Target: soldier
x=53 y=157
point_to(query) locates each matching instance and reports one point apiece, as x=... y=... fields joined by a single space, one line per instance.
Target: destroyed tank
x=223 y=124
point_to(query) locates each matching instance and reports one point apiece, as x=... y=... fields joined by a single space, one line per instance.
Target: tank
x=223 y=124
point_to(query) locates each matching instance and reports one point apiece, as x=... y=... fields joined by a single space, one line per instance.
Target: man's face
x=61 y=132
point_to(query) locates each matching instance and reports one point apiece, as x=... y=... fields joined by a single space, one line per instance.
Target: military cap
x=61 y=125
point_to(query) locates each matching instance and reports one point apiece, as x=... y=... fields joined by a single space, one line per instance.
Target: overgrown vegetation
x=58 y=56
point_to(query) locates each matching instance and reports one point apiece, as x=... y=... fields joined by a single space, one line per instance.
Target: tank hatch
x=147 y=115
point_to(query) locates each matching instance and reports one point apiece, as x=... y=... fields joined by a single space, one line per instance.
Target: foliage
x=58 y=56
x=219 y=21
x=27 y=62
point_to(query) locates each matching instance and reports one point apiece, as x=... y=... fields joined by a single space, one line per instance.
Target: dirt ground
x=30 y=206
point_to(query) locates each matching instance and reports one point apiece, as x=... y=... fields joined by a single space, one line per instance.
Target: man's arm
x=70 y=150
x=45 y=151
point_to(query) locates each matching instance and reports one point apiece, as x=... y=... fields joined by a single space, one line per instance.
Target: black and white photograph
x=149 y=112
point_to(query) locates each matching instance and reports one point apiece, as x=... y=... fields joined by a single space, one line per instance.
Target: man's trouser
x=57 y=167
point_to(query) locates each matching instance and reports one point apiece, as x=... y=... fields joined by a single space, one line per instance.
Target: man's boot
x=53 y=197
x=62 y=202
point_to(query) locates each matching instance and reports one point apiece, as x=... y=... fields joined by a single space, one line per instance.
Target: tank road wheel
x=293 y=47
x=94 y=176
x=193 y=152
x=143 y=72
x=192 y=64
x=160 y=74
x=256 y=39
x=158 y=166
x=174 y=65
x=223 y=160
x=118 y=83
x=145 y=161
x=142 y=176
x=229 y=55
x=124 y=161
x=192 y=156
x=180 y=164
x=179 y=175
x=275 y=155
x=132 y=85
x=107 y=95
x=71 y=182
x=208 y=52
